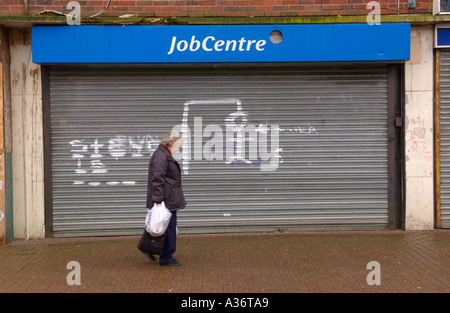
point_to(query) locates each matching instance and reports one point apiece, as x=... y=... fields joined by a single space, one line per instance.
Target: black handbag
x=150 y=244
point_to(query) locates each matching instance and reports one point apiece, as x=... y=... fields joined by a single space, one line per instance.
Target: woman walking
x=164 y=184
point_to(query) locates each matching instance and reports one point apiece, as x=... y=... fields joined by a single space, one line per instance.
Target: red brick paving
x=229 y=263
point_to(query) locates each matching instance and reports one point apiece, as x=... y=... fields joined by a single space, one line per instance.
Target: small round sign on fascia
x=276 y=36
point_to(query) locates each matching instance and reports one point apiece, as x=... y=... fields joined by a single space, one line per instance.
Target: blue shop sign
x=220 y=43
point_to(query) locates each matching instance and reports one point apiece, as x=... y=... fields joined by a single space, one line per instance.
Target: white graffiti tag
x=92 y=162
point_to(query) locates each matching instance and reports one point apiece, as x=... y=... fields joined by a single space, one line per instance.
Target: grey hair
x=170 y=138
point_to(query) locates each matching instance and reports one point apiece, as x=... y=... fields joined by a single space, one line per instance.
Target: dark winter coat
x=164 y=180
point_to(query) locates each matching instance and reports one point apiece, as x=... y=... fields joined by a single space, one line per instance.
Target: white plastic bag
x=157 y=220
x=147 y=220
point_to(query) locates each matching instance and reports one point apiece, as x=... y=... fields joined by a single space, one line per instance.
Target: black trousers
x=170 y=245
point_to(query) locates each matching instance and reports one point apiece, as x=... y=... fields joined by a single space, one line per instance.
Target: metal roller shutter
x=444 y=144
x=332 y=159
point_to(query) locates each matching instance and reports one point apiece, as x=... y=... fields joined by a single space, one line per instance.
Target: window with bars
x=443 y=6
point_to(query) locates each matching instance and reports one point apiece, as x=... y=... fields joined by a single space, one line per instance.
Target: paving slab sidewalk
x=293 y=262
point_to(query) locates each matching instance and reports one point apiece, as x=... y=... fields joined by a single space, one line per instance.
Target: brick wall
x=217 y=8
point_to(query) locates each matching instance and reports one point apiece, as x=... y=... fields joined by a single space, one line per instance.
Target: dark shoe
x=150 y=256
x=173 y=263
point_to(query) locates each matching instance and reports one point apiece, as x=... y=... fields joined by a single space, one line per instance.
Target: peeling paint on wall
x=27 y=139
x=416 y=138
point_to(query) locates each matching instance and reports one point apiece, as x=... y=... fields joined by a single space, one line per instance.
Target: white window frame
x=437 y=8
x=435 y=35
